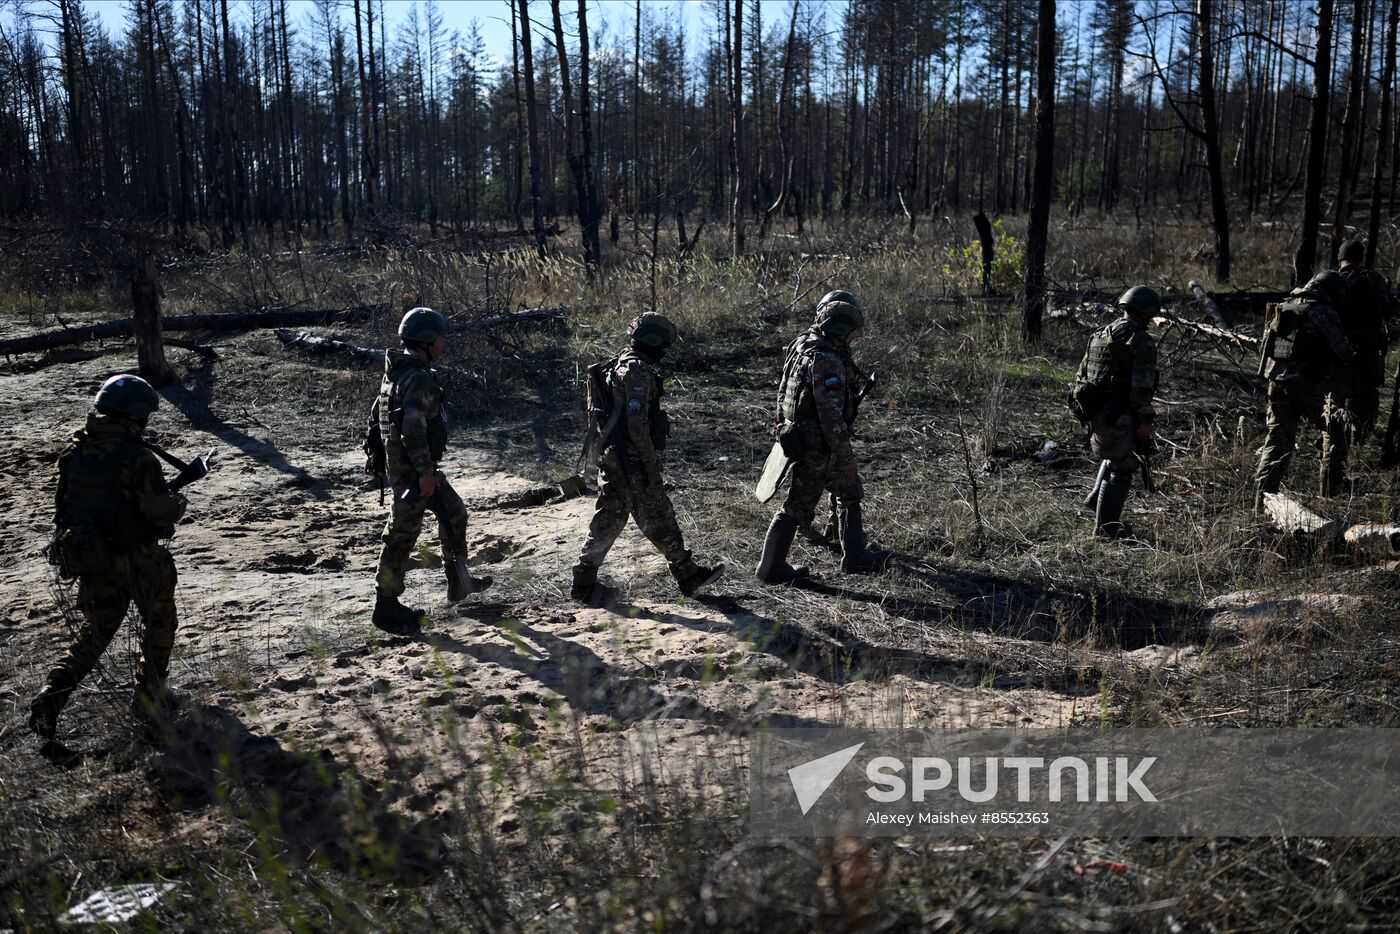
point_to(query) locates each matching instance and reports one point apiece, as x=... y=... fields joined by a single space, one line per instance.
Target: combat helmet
x=422 y=326
x=838 y=295
x=127 y=396
x=1142 y=299
x=1352 y=251
x=839 y=318
x=652 y=329
x=1327 y=286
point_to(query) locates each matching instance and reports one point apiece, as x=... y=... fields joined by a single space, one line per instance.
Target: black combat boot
x=856 y=557
x=586 y=589
x=392 y=616
x=460 y=583
x=1108 y=518
x=773 y=567
x=44 y=711
x=691 y=576
x=153 y=705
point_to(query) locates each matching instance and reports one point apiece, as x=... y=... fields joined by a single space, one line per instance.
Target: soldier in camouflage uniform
x=1365 y=315
x=1310 y=365
x=629 y=464
x=112 y=508
x=1114 y=387
x=409 y=415
x=816 y=407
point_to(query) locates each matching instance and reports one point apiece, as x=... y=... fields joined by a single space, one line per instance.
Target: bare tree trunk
x=585 y=116
x=532 y=126
x=369 y=162
x=1373 y=226
x=1356 y=78
x=736 y=134
x=1044 y=170
x=1210 y=127
x=572 y=156
x=1306 y=254
x=145 y=301
x=784 y=146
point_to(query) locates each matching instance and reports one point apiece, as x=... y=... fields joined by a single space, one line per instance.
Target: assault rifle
x=196 y=469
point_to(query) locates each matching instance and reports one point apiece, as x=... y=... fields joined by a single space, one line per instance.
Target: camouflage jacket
x=411 y=417
x=643 y=426
x=111 y=485
x=819 y=391
x=1122 y=360
x=1323 y=356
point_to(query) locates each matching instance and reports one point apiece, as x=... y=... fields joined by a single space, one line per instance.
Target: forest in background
x=234 y=118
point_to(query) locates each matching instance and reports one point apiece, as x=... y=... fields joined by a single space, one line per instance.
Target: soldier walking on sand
x=409 y=419
x=817 y=400
x=1309 y=363
x=631 y=431
x=1365 y=314
x=113 y=506
x=1112 y=394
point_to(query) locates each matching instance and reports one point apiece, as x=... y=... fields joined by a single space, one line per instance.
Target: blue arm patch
x=832 y=382
x=634 y=406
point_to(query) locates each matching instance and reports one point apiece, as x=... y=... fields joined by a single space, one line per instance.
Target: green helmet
x=839 y=295
x=652 y=329
x=1142 y=299
x=1353 y=251
x=127 y=395
x=839 y=318
x=422 y=326
x=1328 y=286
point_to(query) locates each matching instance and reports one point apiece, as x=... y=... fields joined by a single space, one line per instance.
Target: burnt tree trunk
x=1044 y=170
x=1210 y=127
x=1306 y=254
x=145 y=300
x=532 y=130
x=1373 y=227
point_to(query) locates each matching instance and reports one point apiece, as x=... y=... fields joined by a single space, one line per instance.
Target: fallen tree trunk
x=1366 y=538
x=1289 y=515
x=124 y=327
x=253 y=320
x=1207 y=304
x=329 y=346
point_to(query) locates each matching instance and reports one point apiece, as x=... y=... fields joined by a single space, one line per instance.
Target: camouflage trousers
x=406 y=524
x=146 y=577
x=1289 y=405
x=812 y=475
x=1115 y=440
x=1363 y=406
x=630 y=490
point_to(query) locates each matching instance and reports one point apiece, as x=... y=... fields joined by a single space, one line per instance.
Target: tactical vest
x=391 y=411
x=795 y=402
x=92 y=497
x=658 y=424
x=1108 y=365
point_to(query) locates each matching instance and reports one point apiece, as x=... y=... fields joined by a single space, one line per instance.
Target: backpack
x=1282 y=322
x=603 y=414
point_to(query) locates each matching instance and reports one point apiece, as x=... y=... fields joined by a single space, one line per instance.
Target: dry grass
x=1026 y=596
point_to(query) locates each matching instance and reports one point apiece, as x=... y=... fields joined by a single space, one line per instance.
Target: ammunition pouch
x=74 y=550
x=1282 y=322
x=792 y=440
x=1086 y=400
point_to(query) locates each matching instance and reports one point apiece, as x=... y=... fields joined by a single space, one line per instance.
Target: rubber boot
x=856 y=557
x=773 y=567
x=691 y=576
x=1108 y=518
x=460 y=583
x=392 y=616
x=585 y=588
